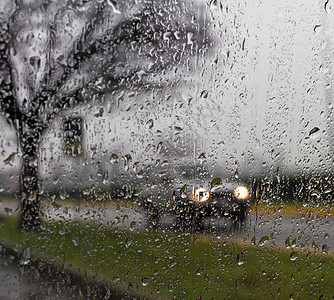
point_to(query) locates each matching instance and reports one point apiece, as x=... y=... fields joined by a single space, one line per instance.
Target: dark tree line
x=294 y=188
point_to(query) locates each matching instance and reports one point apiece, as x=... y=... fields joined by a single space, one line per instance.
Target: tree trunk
x=30 y=194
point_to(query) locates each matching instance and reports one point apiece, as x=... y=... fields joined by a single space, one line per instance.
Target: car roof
x=225 y=187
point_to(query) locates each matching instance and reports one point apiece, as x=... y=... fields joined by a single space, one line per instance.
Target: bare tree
x=57 y=54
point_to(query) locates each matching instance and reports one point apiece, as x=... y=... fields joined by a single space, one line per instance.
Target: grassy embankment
x=181 y=265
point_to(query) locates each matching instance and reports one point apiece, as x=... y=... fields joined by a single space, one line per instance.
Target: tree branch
x=8 y=100
x=77 y=56
x=78 y=53
x=111 y=83
x=142 y=29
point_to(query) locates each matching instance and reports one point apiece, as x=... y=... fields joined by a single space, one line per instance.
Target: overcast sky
x=249 y=104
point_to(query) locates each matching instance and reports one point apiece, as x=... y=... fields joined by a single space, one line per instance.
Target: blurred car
x=223 y=200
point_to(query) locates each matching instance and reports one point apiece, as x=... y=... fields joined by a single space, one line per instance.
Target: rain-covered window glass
x=166 y=149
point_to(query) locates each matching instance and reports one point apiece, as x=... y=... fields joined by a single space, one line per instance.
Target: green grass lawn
x=178 y=265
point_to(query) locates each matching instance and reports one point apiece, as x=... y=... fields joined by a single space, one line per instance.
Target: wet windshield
x=166 y=149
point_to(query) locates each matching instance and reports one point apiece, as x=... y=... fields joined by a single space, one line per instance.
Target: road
x=312 y=231
x=19 y=281
x=315 y=232
x=22 y=278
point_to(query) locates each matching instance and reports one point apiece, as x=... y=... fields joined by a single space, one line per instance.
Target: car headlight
x=241 y=192
x=201 y=195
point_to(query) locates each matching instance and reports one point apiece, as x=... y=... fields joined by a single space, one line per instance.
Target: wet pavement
x=19 y=281
x=299 y=230
x=26 y=279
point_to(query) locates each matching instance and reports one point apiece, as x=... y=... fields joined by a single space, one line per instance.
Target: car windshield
x=165 y=149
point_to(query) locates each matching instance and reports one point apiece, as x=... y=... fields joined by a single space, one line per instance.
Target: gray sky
x=249 y=104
